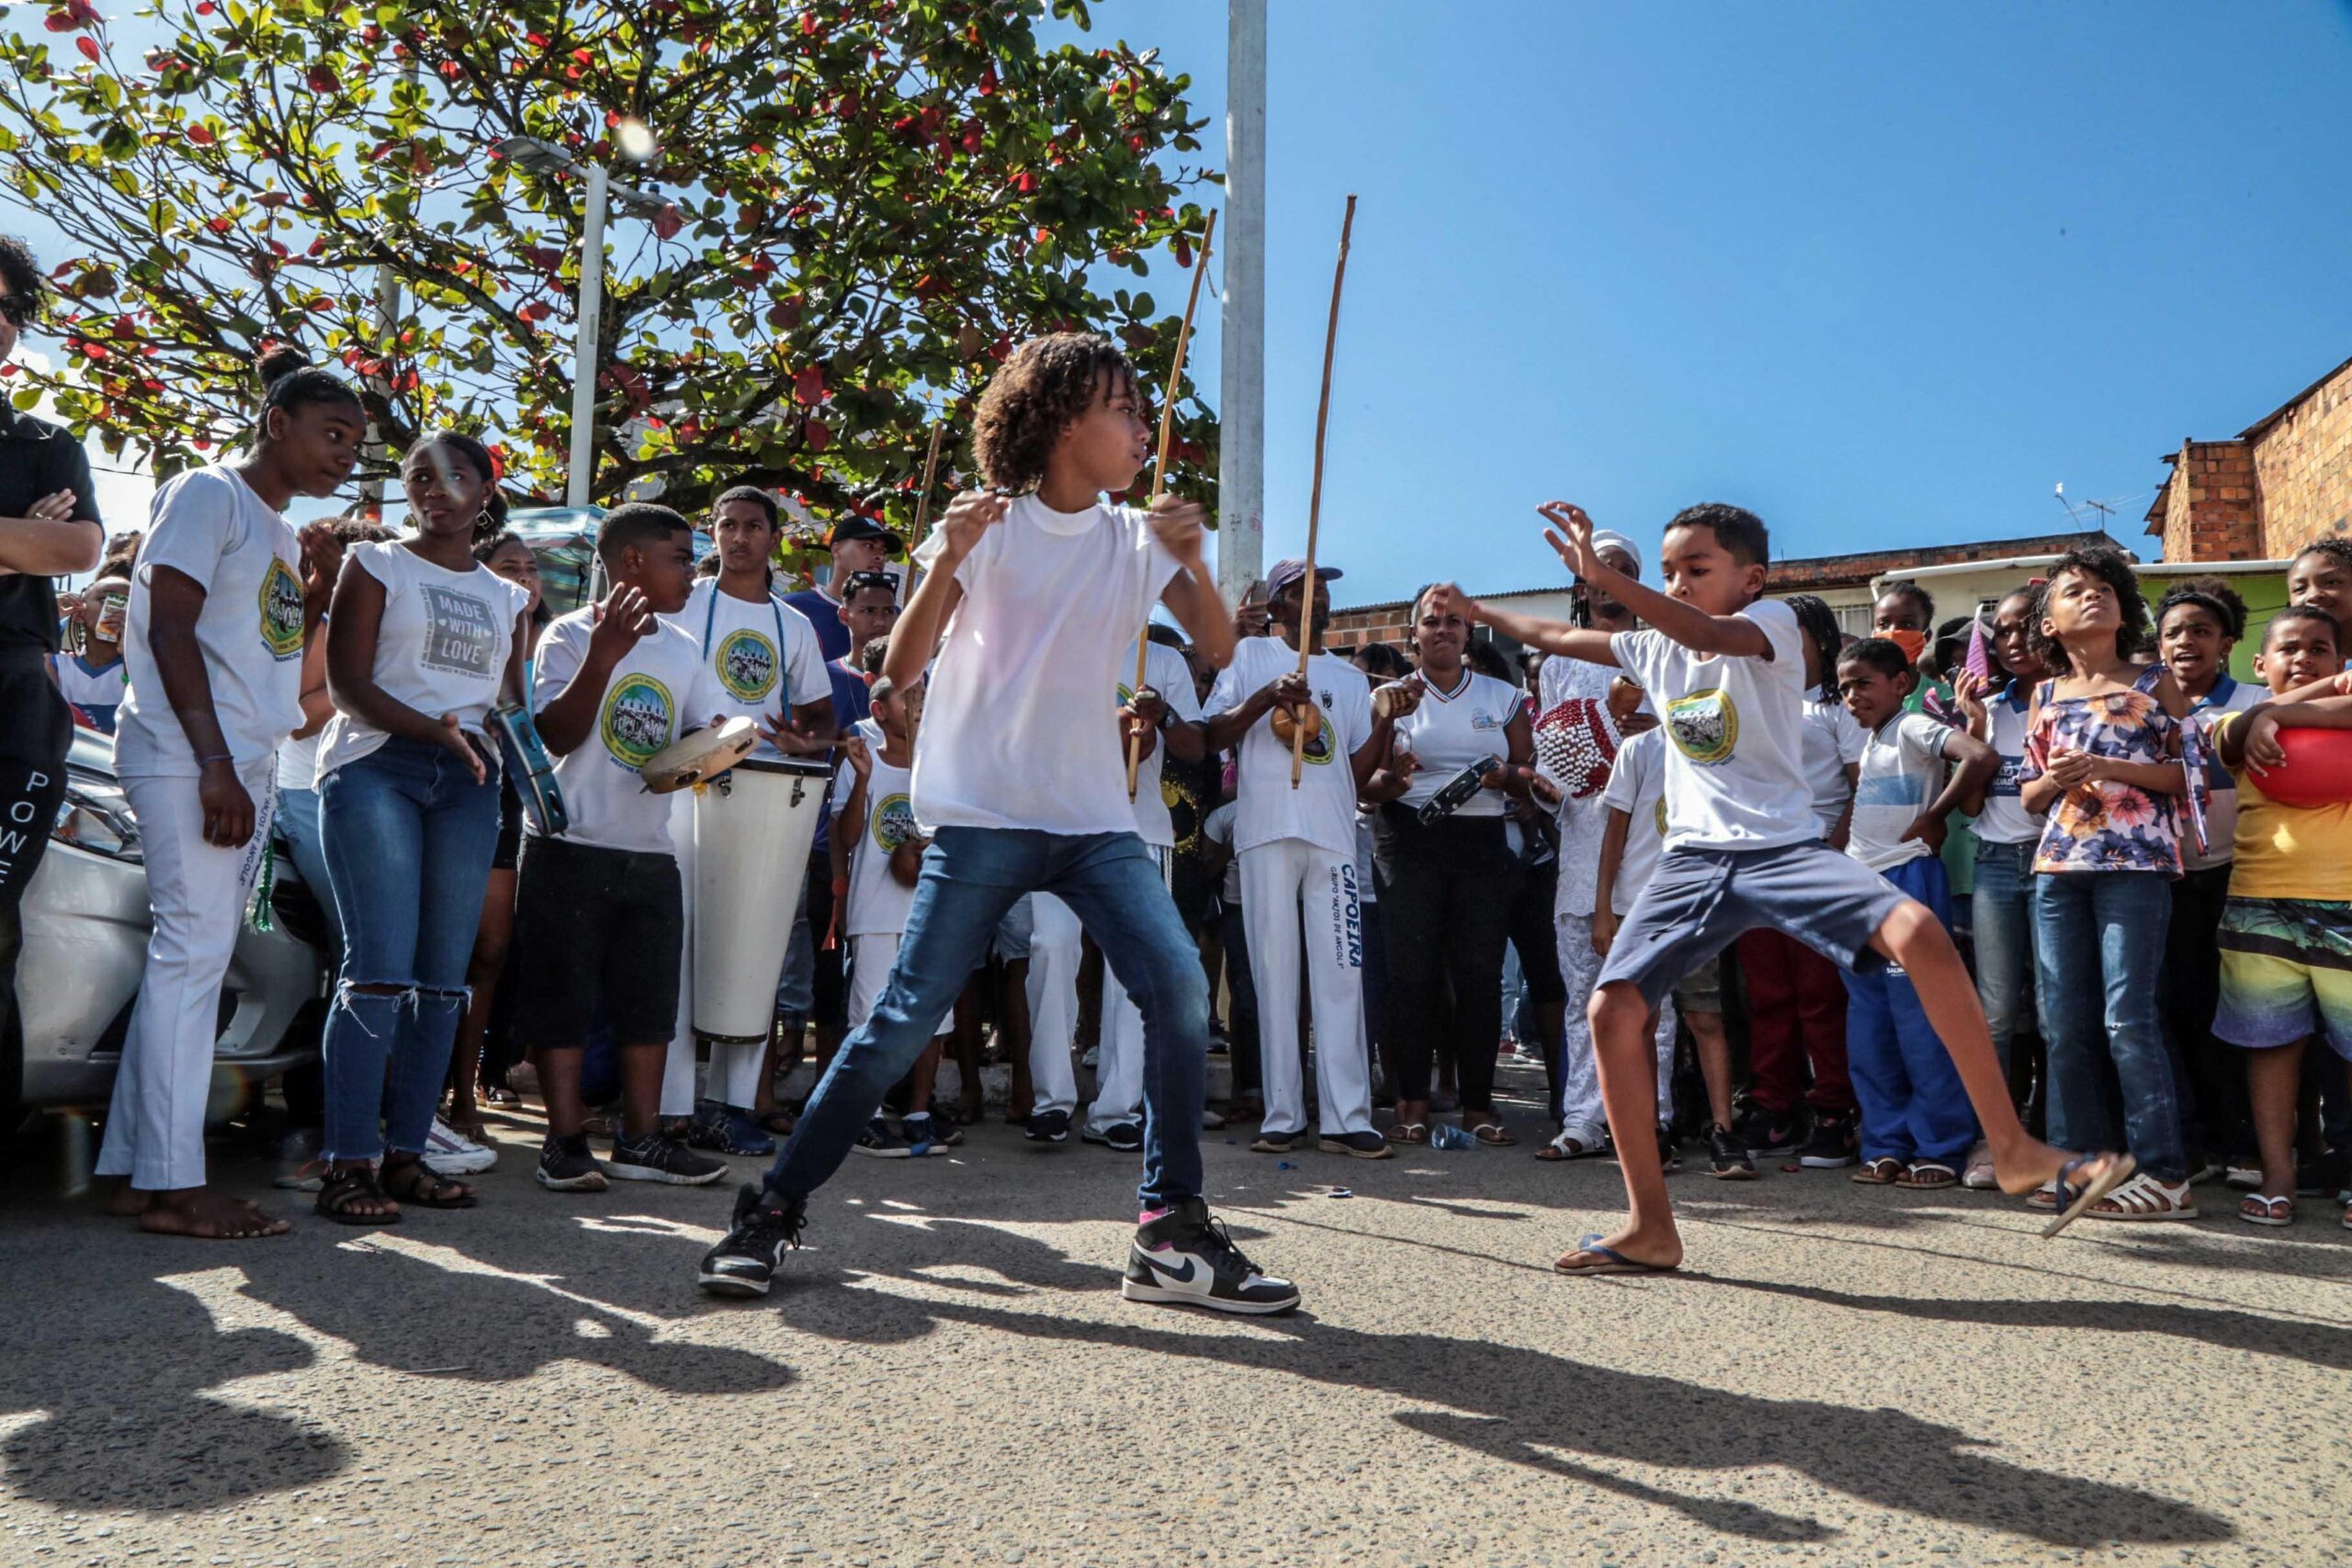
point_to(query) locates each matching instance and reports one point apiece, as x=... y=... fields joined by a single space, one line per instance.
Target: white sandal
x=2145 y=1198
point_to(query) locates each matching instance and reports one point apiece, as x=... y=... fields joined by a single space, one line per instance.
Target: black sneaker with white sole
x=1119 y=1137
x=928 y=1135
x=1048 y=1127
x=765 y=1227
x=1766 y=1133
x=881 y=1141
x=1366 y=1145
x=1727 y=1155
x=656 y=1158
x=1183 y=1258
x=1833 y=1143
x=566 y=1166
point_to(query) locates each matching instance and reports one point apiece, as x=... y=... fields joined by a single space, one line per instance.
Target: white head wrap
x=1604 y=538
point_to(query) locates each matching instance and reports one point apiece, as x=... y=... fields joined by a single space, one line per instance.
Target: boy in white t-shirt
x=1297 y=850
x=1032 y=591
x=1917 y=1127
x=1633 y=834
x=1727 y=669
x=599 y=913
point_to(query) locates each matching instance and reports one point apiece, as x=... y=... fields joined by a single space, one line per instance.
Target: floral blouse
x=2106 y=827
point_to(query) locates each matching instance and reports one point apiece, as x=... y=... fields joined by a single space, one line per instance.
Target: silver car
x=86 y=921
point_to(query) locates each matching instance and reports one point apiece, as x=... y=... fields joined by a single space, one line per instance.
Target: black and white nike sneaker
x=764 y=1229
x=1184 y=1257
x=1048 y=1127
x=656 y=1158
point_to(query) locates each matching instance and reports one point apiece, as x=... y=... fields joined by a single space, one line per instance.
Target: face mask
x=1912 y=644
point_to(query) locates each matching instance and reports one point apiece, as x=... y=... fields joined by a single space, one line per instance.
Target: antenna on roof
x=2059 y=490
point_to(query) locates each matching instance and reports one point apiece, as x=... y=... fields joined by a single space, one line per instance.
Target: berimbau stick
x=930 y=476
x=1160 y=468
x=1315 y=497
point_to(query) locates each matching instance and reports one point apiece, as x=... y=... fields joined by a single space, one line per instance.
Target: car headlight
x=97 y=816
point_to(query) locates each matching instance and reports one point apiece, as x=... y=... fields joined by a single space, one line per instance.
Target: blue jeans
x=408 y=838
x=970 y=877
x=2002 y=913
x=296 y=818
x=2099 y=943
x=1913 y=1107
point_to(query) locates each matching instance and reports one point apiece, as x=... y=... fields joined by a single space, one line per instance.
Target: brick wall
x=1351 y=629
x=2209 y=504
x=2302 y=464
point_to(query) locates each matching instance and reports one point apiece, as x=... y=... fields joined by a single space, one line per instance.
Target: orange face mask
x=1912 y=644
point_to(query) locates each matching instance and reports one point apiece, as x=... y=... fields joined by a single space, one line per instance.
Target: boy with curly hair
x=1033 y=588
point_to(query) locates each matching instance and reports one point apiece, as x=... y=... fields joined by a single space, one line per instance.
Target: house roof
x=2283 y=410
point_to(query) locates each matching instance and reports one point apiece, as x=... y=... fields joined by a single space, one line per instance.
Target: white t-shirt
x=1217 y=828
x=441 y=648
x=1322 y=809
x=2222 y=811
x=1637 y=788
x=1166 y=672
x=1050 y=600
x=2005 y=819
x=1581 y=817
x=763 y=653
x=1903 y=770
x=1447 y=733
x=878 y=902
x=1734 y=770
x=658 y=692
x=1832 y=741
x=207 y=524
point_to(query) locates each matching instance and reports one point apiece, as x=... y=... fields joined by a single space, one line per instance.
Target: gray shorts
x=1702 y=990
x=1015 y=932
x=1699 y=901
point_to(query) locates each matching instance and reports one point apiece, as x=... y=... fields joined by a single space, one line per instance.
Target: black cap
x=855 y=527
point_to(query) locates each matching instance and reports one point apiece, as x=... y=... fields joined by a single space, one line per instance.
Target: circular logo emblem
x=1704 y=726
x=281 y=611
x=638 y=718
x=1661 y=815
x=746 y=664
x=894 y=822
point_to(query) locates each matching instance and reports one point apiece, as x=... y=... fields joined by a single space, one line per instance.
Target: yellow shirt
x=2289 y=851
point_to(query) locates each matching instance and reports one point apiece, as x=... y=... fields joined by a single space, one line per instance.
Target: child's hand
x=2263 y=752
x=1570 y=537
x=1969 y=689
x=779 y=731
x=1624 y=701
x=1926 y=829
x=2069 y=770
x=322 y=562
x=1446 y=599
x=1544 y=788
x=620 y=624
x=1178 y=526
x=861 y=760
x=969 y=516
x=1604 y=929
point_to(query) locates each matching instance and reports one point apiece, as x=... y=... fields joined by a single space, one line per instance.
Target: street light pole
x=584 y=356
x=1241 y=438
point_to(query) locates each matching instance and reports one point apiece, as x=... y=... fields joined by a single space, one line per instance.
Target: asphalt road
x=1843 y=1376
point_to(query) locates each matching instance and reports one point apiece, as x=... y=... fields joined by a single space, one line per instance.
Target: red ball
x=2317 y=772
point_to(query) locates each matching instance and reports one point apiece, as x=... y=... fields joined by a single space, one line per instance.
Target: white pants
x=1055 y=950
x=734 y=1078
x=1279 y=882
x=1118 y=1070
x=155 y=1121
x=870 y=960
x=1581 y=1117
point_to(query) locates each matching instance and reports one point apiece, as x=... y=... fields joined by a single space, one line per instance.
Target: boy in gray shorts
x=1727 y=670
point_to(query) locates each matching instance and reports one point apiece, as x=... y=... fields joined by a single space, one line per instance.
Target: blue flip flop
x=2074 y=1201
x=1612 y=1261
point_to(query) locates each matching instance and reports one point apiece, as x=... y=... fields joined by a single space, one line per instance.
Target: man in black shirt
x=48 y=529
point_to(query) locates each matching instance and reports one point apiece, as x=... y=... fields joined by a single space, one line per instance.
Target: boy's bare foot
x=1611 y=1253
x=204 y=1214
x=2031 y=1164
x=128 y=1203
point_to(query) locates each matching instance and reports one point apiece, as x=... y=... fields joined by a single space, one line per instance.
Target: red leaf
x=817 y=436
x=669 y=220
x=199 y=135
x=323 y=79
x=809 y=25
x=537 y=311
x=537 y=40
x=89 y=48
x=988 y=82
x=809 y=387
x=222 y=225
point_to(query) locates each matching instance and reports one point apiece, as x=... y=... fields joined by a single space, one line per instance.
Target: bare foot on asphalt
x=207 y=1216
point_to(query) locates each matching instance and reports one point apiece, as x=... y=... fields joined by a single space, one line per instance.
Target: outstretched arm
x=1531 y=631
x=1571 y=539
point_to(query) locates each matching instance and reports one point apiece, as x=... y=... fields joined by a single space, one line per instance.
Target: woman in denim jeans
x=2102 y=761
x=2001 y=908
x=423 y=639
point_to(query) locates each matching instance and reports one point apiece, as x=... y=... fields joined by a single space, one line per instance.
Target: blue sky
x=1884 y=272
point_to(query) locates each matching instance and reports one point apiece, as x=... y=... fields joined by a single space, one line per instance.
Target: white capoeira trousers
x=1579 y=1111
x=1280 y=882
x=1118 y=1062
x=155 y=1121
x=734 y=1067
x=871 y=960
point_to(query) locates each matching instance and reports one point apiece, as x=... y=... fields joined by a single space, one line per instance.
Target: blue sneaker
x=728 y=1130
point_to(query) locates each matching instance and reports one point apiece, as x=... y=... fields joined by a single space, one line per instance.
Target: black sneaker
x=1765 y=1133
x=879 y=1141
x=1669 y=1152
x=927 y=1135
x=726 y=1129
x=656 y=1158
x=1727 y=1155
x=1048 y=1127
x=566 y=1166
x=2327 y=1176
x=763 y=1230
x=1276 y=1142
x=1366 y=1145
x=1186 y=1259
x=1832 y=1143
x=1119 y=1137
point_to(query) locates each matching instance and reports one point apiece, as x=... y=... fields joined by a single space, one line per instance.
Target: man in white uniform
x=1298 y=852
x=1168 y=712
x=765 y=657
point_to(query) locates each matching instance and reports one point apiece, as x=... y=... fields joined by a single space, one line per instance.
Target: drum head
x=795 y=767
x=702 y=755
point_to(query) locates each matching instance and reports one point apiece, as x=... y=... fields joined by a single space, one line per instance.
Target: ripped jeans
x=409 y=837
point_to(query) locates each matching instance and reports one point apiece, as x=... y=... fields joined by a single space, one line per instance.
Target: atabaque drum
x=753 y=830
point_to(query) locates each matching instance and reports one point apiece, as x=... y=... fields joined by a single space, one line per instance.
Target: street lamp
x=546 y=158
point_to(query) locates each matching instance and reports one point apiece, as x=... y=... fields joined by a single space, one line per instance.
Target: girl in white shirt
x=423 y=641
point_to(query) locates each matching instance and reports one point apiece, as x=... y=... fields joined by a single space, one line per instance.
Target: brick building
x=2267 y=491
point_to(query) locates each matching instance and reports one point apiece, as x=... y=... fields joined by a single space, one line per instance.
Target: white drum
x=754 y=829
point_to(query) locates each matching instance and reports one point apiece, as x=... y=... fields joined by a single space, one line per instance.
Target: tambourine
x=695 y=758
x=530 y=766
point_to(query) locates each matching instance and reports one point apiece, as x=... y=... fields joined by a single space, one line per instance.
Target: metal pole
x=584 y=364
x=1242 y=483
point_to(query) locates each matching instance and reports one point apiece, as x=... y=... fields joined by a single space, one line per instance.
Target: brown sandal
x=413 y=1181
x=340 y=1189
